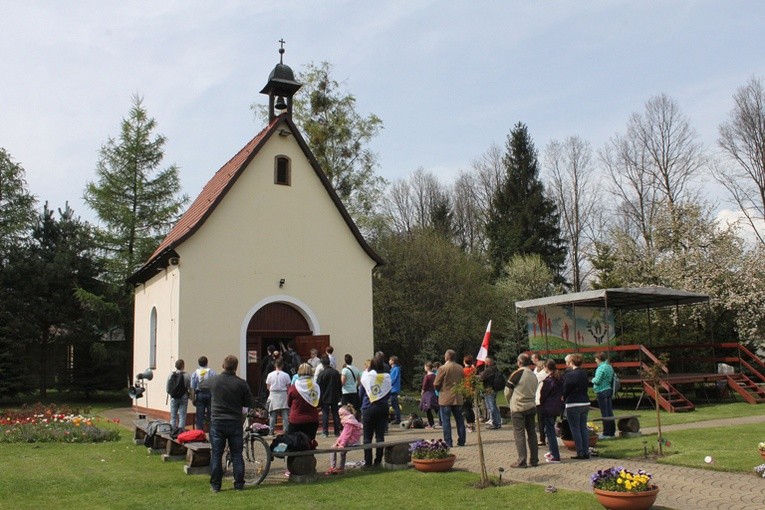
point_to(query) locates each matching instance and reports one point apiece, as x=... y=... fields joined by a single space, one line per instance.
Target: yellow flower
x=619 y=480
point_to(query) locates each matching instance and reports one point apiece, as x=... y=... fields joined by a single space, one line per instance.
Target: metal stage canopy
x=623 y=298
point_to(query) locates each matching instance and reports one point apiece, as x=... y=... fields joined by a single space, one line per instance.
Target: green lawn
x=703 y=412
x=732 y=448
x=122 y=476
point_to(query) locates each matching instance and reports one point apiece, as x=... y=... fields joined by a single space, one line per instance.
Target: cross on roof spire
x=281 y=50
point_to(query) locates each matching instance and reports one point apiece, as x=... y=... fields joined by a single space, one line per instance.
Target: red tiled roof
x=213 y=191
x=217 y=187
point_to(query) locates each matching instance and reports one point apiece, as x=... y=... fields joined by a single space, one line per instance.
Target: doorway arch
x=276 y=321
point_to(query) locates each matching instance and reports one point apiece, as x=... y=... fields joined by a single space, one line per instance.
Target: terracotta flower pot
x=627 y=500
x=571 y=445
x=434 y=465
x=762 y=453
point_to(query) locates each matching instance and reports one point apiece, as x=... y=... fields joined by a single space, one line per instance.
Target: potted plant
x=760 y=470
x=563 y=431
x=761 y=449
x=431 y=455
x=618 y=488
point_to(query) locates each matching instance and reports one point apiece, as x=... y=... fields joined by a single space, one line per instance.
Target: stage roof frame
x=620 y=298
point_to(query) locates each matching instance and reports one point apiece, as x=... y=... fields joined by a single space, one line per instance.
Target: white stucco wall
x=160 y=292
x=260 y=233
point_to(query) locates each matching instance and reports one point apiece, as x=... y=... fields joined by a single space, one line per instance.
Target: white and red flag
x=484 y=350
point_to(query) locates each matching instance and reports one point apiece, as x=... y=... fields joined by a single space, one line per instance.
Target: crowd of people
x=362 y=404
x=538 y=395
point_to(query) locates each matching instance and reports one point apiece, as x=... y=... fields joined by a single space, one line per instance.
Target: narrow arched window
x=282 y=170
x=153 y=338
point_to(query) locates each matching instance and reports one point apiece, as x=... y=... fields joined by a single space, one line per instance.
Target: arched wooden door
x=276 y=324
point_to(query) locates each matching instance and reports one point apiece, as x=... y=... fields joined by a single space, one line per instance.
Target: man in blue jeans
x=448 y=378
x=201 y=398
x=231 y=397
x=489 y=376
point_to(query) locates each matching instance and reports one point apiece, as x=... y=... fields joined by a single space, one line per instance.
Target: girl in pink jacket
x=348 y=437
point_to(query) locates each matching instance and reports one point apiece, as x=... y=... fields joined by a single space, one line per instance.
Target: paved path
x=681 y=487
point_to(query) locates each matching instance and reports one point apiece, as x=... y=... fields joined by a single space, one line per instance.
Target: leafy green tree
x=16 y=205
x=137 y=203
x=522 y=220
x=430 y=296
x=695 y=253
x=746 y=297
x=339 y=137
x=526 y=277
x=711 y=259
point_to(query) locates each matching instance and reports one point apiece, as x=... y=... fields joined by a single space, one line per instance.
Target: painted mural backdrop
x=557 y=327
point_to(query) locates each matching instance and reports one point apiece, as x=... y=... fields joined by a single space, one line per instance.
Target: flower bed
x=52 y=424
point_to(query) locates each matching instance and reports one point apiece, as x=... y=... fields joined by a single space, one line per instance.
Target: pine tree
x=41 y=312
x=522 y=220
x=16 y=220
x=136 y=202
x=16 y=205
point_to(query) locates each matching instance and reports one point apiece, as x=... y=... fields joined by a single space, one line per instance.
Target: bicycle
x=256 y=451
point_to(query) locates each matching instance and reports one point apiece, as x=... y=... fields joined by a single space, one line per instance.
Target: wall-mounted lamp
x=282 y=282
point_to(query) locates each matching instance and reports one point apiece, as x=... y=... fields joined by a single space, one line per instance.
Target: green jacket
x=604 y=377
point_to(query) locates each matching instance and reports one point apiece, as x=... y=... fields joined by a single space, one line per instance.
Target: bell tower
x=280 y=88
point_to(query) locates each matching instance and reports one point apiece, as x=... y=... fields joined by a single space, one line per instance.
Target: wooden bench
x=158 y=444
x=628 y=425
x=173 y=449
x=197 y=458
x=140 y=430
x=302 y=465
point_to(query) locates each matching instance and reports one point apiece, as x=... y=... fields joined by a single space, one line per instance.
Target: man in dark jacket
x=292 y=359
x=230 y=395
x=331 y=389
x=489 y=376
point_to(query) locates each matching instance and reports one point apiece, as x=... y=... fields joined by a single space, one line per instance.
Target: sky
x=447 y=78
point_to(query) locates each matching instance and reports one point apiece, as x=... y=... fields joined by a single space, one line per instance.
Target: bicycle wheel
x=257 y=459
